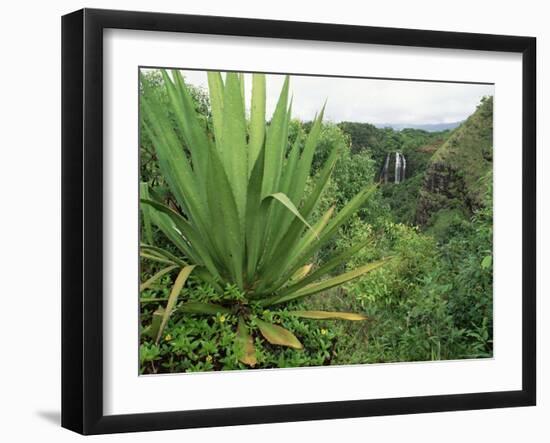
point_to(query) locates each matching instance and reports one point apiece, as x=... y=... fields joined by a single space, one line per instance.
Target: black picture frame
x=82 y=215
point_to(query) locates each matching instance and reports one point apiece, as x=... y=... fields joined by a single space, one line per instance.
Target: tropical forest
x=273 y=241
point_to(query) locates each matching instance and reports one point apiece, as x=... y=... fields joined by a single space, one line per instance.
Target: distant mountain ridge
x=430 y=127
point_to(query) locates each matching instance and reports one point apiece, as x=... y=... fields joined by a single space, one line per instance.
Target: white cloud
x=370 y=100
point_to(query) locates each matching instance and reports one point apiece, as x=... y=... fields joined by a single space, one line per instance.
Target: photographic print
x=301 y=220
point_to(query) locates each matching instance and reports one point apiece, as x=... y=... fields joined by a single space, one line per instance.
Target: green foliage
x=203 y=343
x=432 y=303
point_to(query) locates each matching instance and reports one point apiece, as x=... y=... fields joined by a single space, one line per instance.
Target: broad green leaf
x=173 y=297
x=155 y=277
x=257 y=119
x=277 y=335
x=275 y=144
x=229 y=236
x=244 y=345
x=241 y=82
x=203 y=308
x=327 y=315
x=234 y=146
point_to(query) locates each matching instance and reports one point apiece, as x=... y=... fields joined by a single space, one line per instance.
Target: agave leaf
x=255 y=216
x=348 y=210
x=155 y=277
x=289 y=235
x=328 y=283
x=290 y=166
x=275 y=144
x=166 y=225
x=316 y=231
x=148 y=230
x=230 y=235
x=173 y=163
x=312 y=200
x=244 y=345
x=328 y=315
x=155 y=258
x=257 y=119
x=282 y=198
x=338 y=220
x=277 y=335
x=234 y=146
x=203 y=308
x=160 y=255
x=290 y=249
x=215 y=87
x=241 y=82
x=188 y=123
x=304 y=165
x=190 y=242
x=173 y=297
x=327 y=267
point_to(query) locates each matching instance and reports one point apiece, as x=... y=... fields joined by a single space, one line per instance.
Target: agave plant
x=243 y=216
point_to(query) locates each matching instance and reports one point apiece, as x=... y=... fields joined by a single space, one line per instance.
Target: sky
x=368 y=100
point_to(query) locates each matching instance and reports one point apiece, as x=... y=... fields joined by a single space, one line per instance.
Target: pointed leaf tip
x=277 y=335
x=328 y=315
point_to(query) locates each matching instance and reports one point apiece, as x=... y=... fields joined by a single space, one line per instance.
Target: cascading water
x=385 y=169
x=399 y=169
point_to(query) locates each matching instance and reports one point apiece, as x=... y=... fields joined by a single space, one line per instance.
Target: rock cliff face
x=454 y=179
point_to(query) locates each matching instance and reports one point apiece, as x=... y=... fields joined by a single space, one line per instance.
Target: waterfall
x=384 y=174
x=399 y=168
x=397 y=178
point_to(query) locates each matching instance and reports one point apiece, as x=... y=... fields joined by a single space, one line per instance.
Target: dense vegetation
x=432 y=301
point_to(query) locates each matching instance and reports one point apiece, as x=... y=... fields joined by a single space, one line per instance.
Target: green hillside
x=455 y=179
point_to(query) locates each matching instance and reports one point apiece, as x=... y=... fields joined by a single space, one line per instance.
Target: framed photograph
x=270 y=221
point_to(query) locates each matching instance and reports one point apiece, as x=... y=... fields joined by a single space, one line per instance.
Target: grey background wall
x=30 y=218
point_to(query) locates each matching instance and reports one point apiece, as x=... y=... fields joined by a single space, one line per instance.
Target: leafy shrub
x=190 y=343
